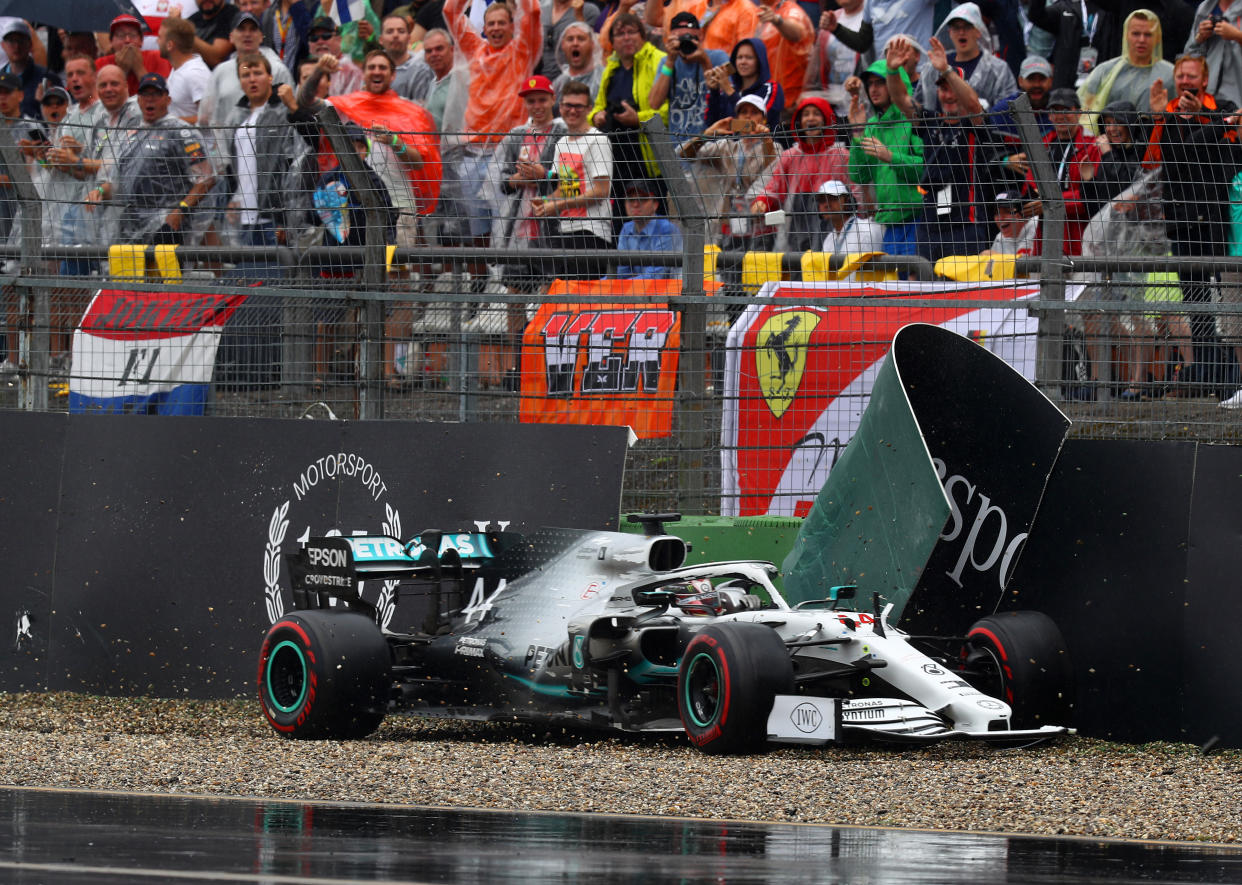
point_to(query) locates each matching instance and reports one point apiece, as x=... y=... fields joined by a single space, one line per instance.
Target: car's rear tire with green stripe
x=726 y=682
x=324 y=675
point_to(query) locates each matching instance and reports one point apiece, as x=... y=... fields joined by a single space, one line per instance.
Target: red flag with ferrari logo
x=798 y=377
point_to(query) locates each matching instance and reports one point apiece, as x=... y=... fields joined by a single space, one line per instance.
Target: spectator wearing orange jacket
x=405 y=148
x=789 y=36
x=724 y=21
x=511 y=45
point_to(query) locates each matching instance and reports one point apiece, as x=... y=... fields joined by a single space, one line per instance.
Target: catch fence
x=729 y=322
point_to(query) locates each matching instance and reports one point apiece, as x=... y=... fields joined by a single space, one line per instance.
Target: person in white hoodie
x=990 y=77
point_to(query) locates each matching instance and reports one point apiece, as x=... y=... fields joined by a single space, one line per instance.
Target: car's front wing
x=802 y=719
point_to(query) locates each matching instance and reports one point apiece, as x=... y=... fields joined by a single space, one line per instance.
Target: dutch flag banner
x=147 y=352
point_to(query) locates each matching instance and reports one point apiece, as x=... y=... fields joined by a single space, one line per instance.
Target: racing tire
x=726 y=682
x=1023 y=660
x=324 y=675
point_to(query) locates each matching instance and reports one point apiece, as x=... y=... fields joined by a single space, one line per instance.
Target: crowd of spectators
x=860 y=125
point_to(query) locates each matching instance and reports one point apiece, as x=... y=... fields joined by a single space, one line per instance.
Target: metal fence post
x=34 y=305
x=691 y=419
x=1052 y=260
x=374 y=272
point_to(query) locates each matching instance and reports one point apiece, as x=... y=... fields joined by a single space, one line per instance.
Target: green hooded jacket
x=897 y=195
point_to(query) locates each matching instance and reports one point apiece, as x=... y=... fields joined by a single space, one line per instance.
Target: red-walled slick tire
x=1021 y=658
x=324 y=675
x=726 y=682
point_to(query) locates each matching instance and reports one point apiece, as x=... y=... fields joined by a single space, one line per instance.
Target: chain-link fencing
x=726 y=293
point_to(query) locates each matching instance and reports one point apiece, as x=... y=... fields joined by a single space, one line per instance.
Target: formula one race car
x=611 y=630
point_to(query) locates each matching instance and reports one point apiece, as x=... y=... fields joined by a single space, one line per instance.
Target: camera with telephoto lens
x=687 y=45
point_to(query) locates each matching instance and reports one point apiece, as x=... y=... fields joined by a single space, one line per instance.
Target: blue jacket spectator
x=648 y=232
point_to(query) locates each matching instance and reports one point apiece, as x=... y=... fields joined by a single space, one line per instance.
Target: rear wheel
x=1021 y=658
x=726 y=682
x=324 y=675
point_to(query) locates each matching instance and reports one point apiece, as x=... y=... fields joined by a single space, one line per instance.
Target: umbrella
x=72 y=15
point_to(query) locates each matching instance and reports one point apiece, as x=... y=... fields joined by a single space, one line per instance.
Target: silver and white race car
x=612 y=630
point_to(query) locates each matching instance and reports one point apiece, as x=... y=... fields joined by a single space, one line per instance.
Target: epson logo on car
x=332 y=557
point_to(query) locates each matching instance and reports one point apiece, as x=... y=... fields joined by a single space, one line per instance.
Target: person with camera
x=747 y=73
x=724 y=22
x=623 y=103
x=724 y=168
x=1216 y=36
x=683 y=83
x=1195 y=143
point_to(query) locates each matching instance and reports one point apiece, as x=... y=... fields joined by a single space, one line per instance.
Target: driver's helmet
x=696 y=597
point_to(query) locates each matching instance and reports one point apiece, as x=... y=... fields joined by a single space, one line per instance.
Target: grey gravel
x=1075 y=786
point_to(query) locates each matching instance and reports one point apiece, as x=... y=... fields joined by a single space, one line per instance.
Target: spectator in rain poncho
x=67 y=181
x=557 y=16
x=578 y=58
x=795 y=177
x=161 y=172
x=787 y=32
x=1129 y=225
x=990 y=77
x=511 y=44
x=1129 y=76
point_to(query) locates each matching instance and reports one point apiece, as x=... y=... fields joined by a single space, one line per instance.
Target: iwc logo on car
x=806 y=718
x=339 y=482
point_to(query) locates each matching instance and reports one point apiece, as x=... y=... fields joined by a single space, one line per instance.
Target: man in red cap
x=128 y=54
x=525 y=161
x=526 y=174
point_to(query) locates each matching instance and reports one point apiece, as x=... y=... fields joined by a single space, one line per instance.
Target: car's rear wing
x=334 y=566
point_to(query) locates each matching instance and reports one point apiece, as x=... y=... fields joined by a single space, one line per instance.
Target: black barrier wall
x=1135 y=553
x=143 y=554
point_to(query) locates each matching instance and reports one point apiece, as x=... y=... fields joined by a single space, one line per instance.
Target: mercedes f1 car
x=613 y=630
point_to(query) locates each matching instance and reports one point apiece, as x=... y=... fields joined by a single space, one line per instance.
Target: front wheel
x=324 y=675
x=1021 y=658
x=727 y=680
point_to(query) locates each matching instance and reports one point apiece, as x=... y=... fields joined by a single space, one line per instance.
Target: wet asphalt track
x=56 y=836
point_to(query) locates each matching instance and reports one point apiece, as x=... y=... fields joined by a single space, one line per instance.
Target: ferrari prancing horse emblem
x=780 y=356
